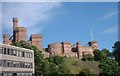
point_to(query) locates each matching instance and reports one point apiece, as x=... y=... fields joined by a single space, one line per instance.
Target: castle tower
x=6 y=39
x=55 y=49
x=36 y=40
x=15 y=23
x=19 y=34
x=79 y=49
x=93 y=44
x=66 y=49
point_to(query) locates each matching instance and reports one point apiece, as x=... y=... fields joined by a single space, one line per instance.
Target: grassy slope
x=75 y=65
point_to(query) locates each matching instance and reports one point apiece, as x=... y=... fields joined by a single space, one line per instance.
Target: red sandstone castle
x=61 y=49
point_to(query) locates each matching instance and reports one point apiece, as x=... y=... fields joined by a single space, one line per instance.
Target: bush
x=56 y=59
x=88 y=57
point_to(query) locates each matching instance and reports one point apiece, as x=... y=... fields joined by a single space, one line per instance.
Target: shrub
x=88 y=57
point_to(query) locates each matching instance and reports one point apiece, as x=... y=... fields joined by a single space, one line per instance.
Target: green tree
x=56 y=59
x=97 y=55
x=116 y=49
x=109 y=68
x=88 y=57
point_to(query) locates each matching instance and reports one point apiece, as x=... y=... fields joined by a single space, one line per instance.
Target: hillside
x=76 y=64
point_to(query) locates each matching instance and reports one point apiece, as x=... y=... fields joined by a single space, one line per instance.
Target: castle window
x=37 y=42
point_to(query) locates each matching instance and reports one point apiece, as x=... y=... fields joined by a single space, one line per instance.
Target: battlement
x=36 y=36
x=66 y=43
x=15 y=19
x=20 y=29
x=36 y=40
x=6 y=36
x=6 y=39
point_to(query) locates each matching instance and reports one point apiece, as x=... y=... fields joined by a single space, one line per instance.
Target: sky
x=65 y=21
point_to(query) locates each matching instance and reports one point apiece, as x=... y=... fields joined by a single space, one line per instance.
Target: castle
x=61 y=49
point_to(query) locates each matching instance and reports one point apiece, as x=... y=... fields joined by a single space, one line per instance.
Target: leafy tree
x=116 y=49
x=88 y=57
x=101 y=54
x=109 y=68
x=97 y=55
x=56 y=59
x=84 y=72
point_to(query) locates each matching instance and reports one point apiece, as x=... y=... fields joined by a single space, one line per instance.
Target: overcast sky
x=65 y=21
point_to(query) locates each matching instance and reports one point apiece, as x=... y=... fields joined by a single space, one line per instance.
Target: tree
x=56 y=59
x=109 y=68
x=97 y=55
x=101 y=54
x=88 y=57
x=116 y=49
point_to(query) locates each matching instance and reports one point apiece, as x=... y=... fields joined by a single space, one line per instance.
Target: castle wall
x=20 y=34
x=6 y=39
x=55 y=49
x=66 y=49
x=36 y=40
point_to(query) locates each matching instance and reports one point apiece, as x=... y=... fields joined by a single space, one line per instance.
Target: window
x=8 y=64
x=4 y=63
x=26 y=65
x=31 y=65
x=37 y=42
x=0 y=62
x=8 y=51
x=17 y=64
x=4 y=50
x=23 y=54
x=14 y=52
x=14 y=64
x=20 y=53
x=11 y=51
x=1 y=49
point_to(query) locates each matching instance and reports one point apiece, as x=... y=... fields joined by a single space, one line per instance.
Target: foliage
x=56 y=59
x=84 y=72
x=109 y=68
x=101 y=54
x=88 y=57
x=116 y=49
x=97 y=55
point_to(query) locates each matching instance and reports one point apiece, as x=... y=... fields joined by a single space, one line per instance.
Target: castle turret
x=36 y=40
x=6 y=39
x=79 y=49
x=19 y=34
x=66 y=49
x=55 y=49
x=15 y=23
x=93 y=44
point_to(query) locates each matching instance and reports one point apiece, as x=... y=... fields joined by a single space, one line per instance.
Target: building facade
x=61 y=49
x=15 y=61
x=68 y=50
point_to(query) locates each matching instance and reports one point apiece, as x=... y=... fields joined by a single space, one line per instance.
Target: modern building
x=16 y=61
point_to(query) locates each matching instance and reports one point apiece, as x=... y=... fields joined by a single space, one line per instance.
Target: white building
x=16 y=61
